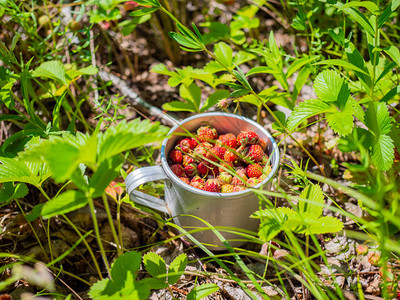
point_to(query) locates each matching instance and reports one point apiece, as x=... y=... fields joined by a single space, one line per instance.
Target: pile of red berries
x=203 y=160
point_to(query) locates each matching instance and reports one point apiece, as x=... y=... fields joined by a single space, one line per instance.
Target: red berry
x=247 y=137
x=212 y=185
x=207 y=133
x=362 y=249
x=187 y=160
x=374 y=258
x=193 y=143
x=202 y=168
x=230 y=156
x=238 y=188
x=255 y=153
x=185 y=145
x=130 y=5
x=227 y=188
x=197 y=178
x=263 y=144
x=177 y=169
x=228 y=140
x=176 y=156
x=191 y=170
x=185 y=180
x=224 y=177
x=197 y=185
x=227 y=165
x=203 y=150
x=239 y=179
x=254 y=170
x=218 y=151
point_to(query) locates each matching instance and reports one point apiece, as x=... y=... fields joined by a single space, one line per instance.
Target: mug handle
x=141 y=176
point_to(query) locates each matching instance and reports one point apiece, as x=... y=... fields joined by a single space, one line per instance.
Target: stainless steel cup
x=228 y=210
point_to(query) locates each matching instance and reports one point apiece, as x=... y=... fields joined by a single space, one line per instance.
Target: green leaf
x=106 y=172
x=64 y=203
x=144 y=11
x=394 y=54
x=162 y=69
x=191 y=94
x=14 y=170
x=129 y=135
x=341 y=63
x=241 y=57
x=97 y=289
x=241 y=77
x=341 y=121
x=9 y=192
x=214 y=98
x=179 y=106
x=128 y=262
x=35 y=213
x=155 y=265
x=389 y=95
x=387 y=12
x=184 y=41
x=314 y=206
x=272 y=221
x=299 y=63
x=202 y=291
x=330 y=87
x=176 y=268
x=224 y=54
x=356 y=59
x=324 y=225
x=239 y=93
x=371 y=6
x=383 y=152
x=360 y=19
x=306 y=110
x=258 y=70
x=51 y=69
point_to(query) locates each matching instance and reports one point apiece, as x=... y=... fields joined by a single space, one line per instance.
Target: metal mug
x=218 y=209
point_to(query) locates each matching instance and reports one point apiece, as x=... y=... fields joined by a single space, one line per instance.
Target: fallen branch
x=135 y=99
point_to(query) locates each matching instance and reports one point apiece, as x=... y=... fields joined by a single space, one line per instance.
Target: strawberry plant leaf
x=162 y=69
x=324 y=225
x=155 y=265
x=314 y=206
x=214 y=98
x=202 y=291
x=176 y=268
x=342 y=121
x=306 y=110
x=179 y=106
x=224 y=54
x=51 y=69
x=9 y=192
x=12 y=169
x=383 y=152
x=64 y=203
x=330 y=87
x=191 y=93
x=105 y=173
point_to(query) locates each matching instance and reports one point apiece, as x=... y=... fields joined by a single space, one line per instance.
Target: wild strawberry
x=176 y=156
x=241 y=171
x=374 y=258
x=185 y=180
x=212 y=185
x=228 y=140
x=193 y=143
x=230 y=156
x=197 y=178
x=247 y=137
x=185 y=145
x=362 y=249
x=264 y=160
x=177 y=169
x=239 y=180
x=191 y=170
x=238 y=188
x=197 y=185
x=263 y=144
x=203 y=150
x=227 y=165
x=224 y=177
x=227 y=188
x=187 y=160
x=202 y=168
x=207 y=133
x=252 y=181
x=255 y=153
x=130 y=5
x=254 y=170
x=218 y=151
